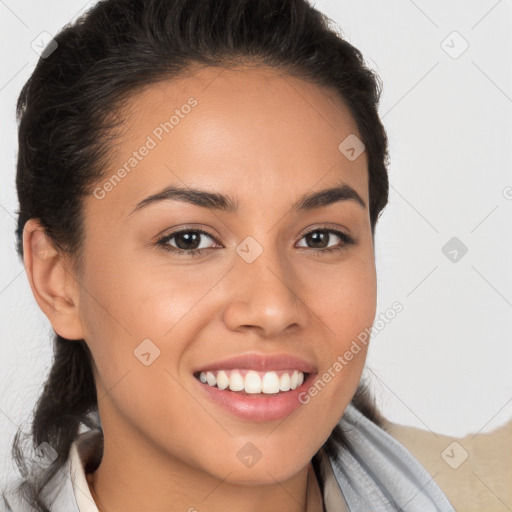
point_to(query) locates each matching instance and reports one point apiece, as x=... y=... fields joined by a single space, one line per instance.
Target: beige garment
x=475 y=471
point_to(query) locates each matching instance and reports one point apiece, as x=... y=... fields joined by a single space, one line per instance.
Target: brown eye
x=193 y=241
x=189 y=241
x=320 y=238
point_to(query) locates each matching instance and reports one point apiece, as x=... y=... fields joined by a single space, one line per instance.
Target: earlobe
x=54 y=287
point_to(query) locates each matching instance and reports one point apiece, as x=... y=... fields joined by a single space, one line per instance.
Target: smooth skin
x=265 y=139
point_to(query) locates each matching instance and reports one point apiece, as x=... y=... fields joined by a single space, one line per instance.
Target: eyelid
x=325 y=227
x=163 y=236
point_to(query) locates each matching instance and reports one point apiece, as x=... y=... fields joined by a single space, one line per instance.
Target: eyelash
x=346 y=240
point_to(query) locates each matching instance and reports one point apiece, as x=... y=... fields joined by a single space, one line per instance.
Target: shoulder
x=474 y=471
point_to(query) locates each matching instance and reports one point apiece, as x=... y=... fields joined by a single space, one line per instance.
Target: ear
x=50 y=276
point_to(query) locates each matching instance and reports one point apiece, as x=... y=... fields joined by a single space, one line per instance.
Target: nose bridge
x=272 y=272
x=266 y=294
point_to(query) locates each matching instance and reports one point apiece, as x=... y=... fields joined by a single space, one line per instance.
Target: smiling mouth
x=251 y=382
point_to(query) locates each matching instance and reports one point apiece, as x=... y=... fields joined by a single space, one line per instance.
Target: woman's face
x=259 y=301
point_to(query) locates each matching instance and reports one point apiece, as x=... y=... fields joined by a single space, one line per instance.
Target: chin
x=253 y=469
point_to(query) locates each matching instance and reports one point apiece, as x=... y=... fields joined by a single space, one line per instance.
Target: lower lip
x=257 y=406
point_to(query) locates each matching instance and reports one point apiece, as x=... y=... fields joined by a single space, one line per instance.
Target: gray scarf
x=378 y=474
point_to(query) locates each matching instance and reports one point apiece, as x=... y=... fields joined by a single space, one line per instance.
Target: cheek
x=134 y=315
x=345 y=301
x=135 y=300
x=348 y=300
x=347 y=310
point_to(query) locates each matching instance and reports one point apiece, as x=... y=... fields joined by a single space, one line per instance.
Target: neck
x=256 y=499
x=143 y=479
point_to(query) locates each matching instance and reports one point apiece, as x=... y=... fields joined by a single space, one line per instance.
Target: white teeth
x=210 y=378
x=236 y=381
x=284 y=384
x=222 y=380
x=294 y=379
x=270 y=383
x=253 y=382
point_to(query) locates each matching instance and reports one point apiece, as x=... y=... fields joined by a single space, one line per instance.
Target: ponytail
x=67 y=401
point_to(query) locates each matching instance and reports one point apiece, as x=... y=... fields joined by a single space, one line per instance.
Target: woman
x=199 y=185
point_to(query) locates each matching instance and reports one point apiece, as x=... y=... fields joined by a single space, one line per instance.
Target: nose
x=265 y=296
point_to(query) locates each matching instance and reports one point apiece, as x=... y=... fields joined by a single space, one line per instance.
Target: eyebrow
x=216 y=201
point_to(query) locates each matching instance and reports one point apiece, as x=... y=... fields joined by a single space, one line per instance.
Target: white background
x=444 y=362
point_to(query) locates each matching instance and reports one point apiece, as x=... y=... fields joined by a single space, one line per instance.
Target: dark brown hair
x=68 y=112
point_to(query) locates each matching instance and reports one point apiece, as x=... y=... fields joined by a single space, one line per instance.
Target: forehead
x=243 y=95
x=249 y=128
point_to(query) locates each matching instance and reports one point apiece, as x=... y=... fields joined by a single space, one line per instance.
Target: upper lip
x=260 y=362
